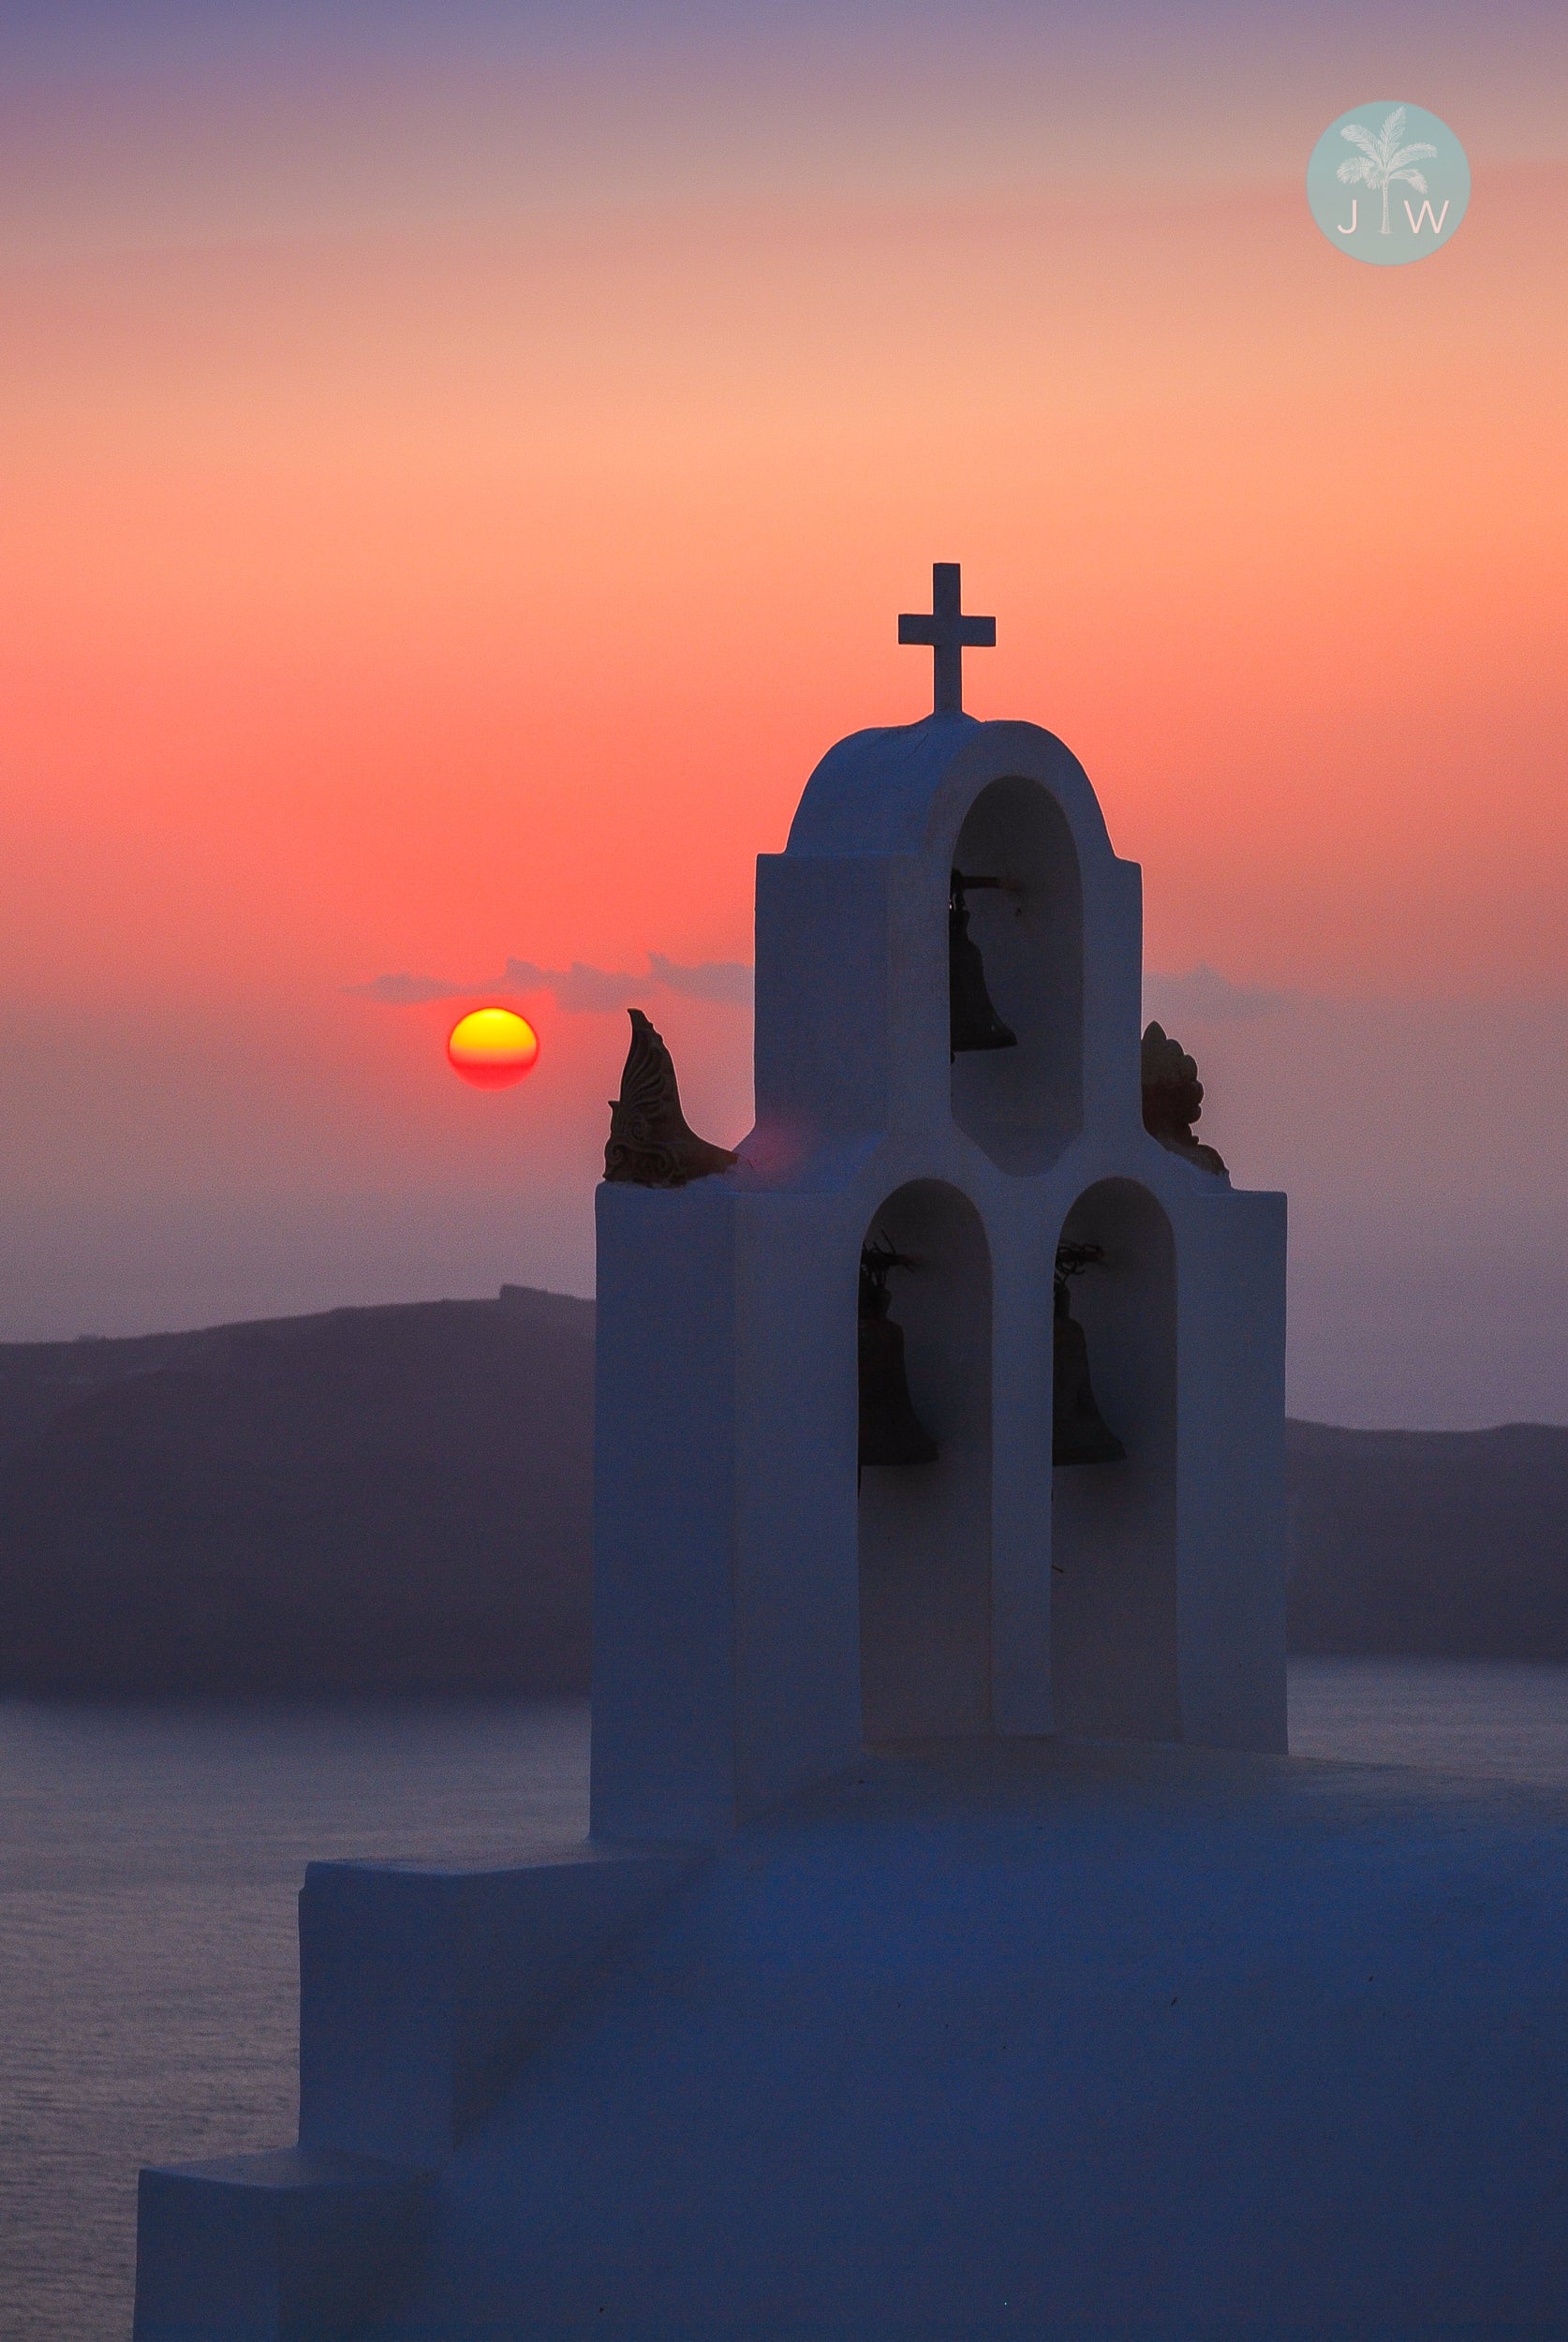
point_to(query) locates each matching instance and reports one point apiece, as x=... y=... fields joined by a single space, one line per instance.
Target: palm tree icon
x=1383 y=159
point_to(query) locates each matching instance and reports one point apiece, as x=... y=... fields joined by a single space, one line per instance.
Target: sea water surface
x=150 y=1858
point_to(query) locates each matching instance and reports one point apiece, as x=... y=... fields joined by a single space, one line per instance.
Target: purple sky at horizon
x=459 y=471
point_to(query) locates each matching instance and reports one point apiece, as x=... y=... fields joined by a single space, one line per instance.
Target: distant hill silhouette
x=373 y=1500
x=392 y=1500
x=1444 y=1544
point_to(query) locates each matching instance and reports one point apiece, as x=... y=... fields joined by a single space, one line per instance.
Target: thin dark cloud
x=1206 y=997
x=708 y=980
x=1200 y=994
x=408 y=991
x=578 y=990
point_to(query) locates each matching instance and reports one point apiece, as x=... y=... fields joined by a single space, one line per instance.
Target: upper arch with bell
x=853 y=1019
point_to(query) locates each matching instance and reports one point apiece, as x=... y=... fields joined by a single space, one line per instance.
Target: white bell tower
x=762 y=1608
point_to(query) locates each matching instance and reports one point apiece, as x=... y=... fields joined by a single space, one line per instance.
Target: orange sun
x=491 y=1048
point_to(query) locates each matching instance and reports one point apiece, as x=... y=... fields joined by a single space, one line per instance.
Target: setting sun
x=491 y=1048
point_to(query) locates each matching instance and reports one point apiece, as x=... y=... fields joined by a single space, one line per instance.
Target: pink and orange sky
x=461 y=469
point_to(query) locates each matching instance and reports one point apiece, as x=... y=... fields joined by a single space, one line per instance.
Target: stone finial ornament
x=651 y=1143
x=1174 y=1100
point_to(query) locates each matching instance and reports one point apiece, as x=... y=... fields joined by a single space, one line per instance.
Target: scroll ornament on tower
x=651 y=1144
x=1174 y=1099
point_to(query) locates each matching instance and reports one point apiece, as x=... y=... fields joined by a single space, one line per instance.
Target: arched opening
x=925 y=1528
x=1023 y=1104
x=1114 y=1525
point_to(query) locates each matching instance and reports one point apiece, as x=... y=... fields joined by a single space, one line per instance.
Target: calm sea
x=149 y=1861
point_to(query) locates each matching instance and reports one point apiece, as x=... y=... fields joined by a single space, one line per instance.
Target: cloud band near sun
x=580 y=990
x=1200 y=994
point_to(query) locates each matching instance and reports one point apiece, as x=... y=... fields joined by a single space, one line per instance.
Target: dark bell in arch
x=1079 y=1432
x=891 y=1432
x=972 y=1021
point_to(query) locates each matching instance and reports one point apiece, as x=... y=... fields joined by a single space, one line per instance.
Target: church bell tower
x=949 y=1084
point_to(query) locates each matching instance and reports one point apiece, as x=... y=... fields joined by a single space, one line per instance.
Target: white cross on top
x=950 y=634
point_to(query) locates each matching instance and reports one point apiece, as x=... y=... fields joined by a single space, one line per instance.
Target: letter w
x=1426 y=213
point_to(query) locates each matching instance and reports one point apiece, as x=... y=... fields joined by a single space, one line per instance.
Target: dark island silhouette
x=398 y=1500
x=372 y=1500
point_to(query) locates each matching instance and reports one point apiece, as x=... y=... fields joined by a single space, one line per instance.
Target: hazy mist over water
x=149 y=1865
x=150 y=1860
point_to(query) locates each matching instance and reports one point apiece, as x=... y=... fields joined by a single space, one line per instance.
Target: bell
x=972 y=1022
x=891 y=1432
x=1079 y=1432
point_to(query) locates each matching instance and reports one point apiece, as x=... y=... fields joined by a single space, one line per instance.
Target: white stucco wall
x=728 y=1539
